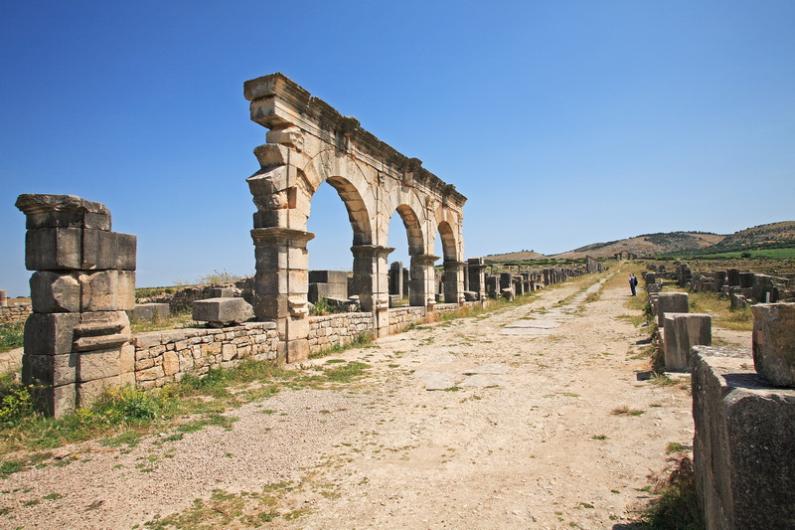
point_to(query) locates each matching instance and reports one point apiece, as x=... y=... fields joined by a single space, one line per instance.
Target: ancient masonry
x=308 y=143
x=77 y=340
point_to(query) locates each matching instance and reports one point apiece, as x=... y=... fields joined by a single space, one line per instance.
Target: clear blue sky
x=563 y=122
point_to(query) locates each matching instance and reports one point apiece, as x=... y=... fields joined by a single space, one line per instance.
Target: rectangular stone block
x=108 y=250
x=744 y=457
x=774 y=342
x=98 y=364
x=670 y=303
x=55 y=401
x=222 y=311
x=108 y=290
x=88 y=392
x=681 y=332
x=297 y=350
x=50 y=334
x=222 y=292
x=52 y=370
x=55 y=292
x=149 y=312
x=53 y=249
x=326 y=276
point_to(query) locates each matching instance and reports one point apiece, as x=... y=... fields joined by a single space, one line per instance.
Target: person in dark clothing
x=633 y=283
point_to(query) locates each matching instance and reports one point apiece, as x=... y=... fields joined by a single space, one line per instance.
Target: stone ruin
x=77 y=340
x=308 y=143
x=744 y=444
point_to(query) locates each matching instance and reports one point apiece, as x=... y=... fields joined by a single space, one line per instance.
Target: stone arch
x=357 y=209
x=309 y=142
x=449 y=246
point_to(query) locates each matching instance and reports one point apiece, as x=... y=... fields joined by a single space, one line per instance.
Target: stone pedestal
x=670 y=303
x=3 y=298
x=77 y=340
x=423 y=281
x=682 y=331
x=453 y=282
x=281 y=285
x=774 y=342
x=744 y=454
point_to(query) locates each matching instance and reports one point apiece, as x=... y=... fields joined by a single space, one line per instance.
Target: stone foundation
x=744 y=445
x=681 y=332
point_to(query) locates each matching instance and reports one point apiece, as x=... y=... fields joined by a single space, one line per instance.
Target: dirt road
x=530 y=417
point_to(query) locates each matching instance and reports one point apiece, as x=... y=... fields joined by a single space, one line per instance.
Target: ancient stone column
x=77 y=340
x=477 y=279
x=453 y=282
x=423 y=281
x=3 y=298
x=281 y=286
x=371 y=282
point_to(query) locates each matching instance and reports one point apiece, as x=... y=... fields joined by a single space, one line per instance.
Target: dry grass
x=722 y=314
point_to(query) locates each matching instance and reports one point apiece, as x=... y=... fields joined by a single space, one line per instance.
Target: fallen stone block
x=744 y=456
x=151 y=312
x=222 y=311
x=471 y=296
x=774 y=342
x=681 y=332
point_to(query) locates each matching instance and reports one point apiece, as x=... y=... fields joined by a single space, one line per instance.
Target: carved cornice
x=272 y=94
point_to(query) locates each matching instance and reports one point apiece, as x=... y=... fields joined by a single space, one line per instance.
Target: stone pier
x=477 y=278
x=77 y=340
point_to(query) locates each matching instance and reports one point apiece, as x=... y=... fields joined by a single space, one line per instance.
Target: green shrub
x=129 y=405
x=11 y=335
x=15 y=401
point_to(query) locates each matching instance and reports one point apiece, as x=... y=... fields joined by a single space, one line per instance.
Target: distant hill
x=647 y=245
x=773 y=235
x=522 y=255
x=769 y=236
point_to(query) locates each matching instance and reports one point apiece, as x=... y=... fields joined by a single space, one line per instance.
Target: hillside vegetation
x=647 y=245
x=773 y=235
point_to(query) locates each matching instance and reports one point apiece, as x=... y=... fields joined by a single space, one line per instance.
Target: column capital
x=278 y=234
x=363 y=251
x=424 y=259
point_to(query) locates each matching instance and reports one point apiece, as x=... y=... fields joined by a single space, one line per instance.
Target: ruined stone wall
x=339 y=329
x=166 y=356
x=15 y=313
x=402 y=317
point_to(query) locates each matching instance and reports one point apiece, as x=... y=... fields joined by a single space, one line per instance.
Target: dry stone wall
x=402 y=317
x=166 y=356
x=15 y=313
x=339 y=329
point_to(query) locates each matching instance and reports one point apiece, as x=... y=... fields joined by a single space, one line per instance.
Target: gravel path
x=502 y=421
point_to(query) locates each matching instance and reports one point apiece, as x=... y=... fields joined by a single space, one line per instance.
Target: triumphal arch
x=309 y=142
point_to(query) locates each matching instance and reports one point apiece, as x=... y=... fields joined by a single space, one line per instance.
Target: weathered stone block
x=670 y=303
x=774 y=342
x=681 y=332
x=222 y=311
x=50 y=334
x=55 y=401
x=99 y=364
x=53 y=249
x=149 y=312
x=108 y=290
x=108 y=251
x=297 y=350
x=63 y=211
x=88 y=392
x=54 y=292
x=54 y=370
x=744 y=455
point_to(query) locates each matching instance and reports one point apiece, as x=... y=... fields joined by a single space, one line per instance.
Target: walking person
x=633 y=282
